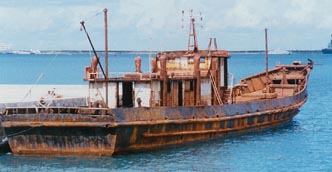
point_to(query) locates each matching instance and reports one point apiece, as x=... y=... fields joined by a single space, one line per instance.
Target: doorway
x=127 y=94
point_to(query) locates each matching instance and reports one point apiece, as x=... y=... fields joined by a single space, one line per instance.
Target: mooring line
x=20 y=132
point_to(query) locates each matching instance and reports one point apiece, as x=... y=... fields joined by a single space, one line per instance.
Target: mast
x=192 y=33
x=106 y=55
x=266 y=62
x=193 y=46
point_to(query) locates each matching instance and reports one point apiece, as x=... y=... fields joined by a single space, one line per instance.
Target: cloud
x=45 y=23
x=146 y=24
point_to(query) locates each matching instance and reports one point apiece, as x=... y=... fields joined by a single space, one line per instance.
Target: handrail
x=122 y=74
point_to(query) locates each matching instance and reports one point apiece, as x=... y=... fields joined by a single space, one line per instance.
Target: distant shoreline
x=263 y=51
x=146 y=52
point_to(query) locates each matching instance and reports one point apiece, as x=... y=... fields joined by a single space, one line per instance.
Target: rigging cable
x=94 y=15
x=40 y=77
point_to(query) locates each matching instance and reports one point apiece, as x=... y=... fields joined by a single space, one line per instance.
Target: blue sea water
x=304 y=144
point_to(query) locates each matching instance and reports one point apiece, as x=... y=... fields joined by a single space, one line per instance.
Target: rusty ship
x=328 y=50
x=185 y=98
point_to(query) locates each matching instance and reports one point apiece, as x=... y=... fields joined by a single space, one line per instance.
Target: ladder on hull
x=215 y=89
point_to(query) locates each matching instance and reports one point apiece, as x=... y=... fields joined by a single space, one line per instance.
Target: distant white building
x=279 y=51
x=4 y=49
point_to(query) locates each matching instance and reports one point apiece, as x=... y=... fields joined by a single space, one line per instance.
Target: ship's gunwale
x=217 y=117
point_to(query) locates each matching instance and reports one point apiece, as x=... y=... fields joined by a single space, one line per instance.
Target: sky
x=157 y=24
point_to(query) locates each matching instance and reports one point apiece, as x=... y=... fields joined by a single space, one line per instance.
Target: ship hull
x=327 y=51
x=125 y=130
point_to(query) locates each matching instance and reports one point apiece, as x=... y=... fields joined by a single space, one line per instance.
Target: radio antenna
x=192 y=37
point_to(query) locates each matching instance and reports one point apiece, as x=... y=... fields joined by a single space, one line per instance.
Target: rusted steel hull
x=123 y=130
x=63 y=140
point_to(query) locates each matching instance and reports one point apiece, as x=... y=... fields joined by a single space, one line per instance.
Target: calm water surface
x=304 y=144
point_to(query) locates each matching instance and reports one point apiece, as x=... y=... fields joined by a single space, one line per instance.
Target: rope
x=41 y=76
x=93 y=15
x=20 y=132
